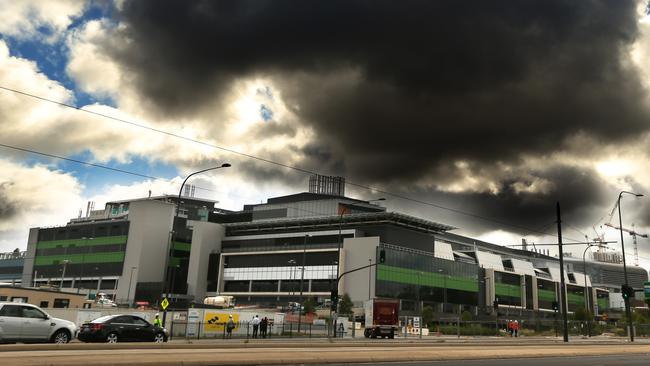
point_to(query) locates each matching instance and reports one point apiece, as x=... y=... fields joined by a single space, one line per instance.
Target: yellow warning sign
x=164 y=304
x=215 y=322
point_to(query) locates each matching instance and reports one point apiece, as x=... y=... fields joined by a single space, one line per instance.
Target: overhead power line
x=268 y=161
x=90 y=164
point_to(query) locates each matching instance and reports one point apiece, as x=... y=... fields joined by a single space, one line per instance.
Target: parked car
x=28 y=323
x=121 y=328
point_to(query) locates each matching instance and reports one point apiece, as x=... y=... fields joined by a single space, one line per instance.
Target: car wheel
x=159 y=338
x=111 y=338
x=61 y=337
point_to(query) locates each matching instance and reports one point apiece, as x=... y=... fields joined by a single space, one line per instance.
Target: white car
x=29 y=324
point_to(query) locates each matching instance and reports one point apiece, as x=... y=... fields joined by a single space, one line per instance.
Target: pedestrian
x=515 y=328
x=230 y=326
x=263 y=325
x=256 y=325
x=510 y=325
x=157 y=322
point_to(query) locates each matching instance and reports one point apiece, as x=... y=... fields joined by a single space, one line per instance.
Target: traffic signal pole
x=563 y=302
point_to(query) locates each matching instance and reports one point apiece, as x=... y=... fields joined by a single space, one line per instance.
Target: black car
x=121 y=328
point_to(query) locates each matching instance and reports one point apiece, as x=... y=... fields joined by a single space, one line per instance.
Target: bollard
x=224 y=331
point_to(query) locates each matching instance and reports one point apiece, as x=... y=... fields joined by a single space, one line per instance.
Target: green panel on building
x=503 y=289
x=104 y=240
x=80 y=258
x=413 y=277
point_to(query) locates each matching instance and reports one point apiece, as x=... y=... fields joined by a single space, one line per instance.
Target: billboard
x=215 y=321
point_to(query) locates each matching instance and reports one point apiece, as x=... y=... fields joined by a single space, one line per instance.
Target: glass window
x=122 y=320
x=61 y=303
x=44 y=304
x=11 y=310
x=139 y=321
x=30 y=312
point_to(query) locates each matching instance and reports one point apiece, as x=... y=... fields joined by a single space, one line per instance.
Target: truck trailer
x=382 y=318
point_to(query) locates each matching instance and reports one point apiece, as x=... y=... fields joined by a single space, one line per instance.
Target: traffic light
x=334 y=297
x=556 y=306
x=627 y=292
x=382 y=256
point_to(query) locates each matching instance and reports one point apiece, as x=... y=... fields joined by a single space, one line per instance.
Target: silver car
x=29 y=324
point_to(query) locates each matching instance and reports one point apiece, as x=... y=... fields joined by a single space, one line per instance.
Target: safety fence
x=246 y=330
x=546 y=327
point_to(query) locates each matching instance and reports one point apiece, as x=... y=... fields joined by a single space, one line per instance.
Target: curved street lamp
x=178 y=208
x=628 y=312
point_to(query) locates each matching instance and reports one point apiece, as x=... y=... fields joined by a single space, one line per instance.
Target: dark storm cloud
x=582 y=196
x=7 y=208
x=435 y=80
x=397 y=91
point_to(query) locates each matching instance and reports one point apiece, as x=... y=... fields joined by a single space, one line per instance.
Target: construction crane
x=634 y=234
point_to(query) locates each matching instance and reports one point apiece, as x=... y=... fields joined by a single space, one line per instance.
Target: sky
x=480 y=115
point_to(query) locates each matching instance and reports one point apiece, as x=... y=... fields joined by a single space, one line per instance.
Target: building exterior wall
x=28 y=267
x=357 y=252
x=42 y=298
x=206 y=239
x=146 y=249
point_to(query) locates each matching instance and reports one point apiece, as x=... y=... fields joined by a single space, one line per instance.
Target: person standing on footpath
x=263 y=325
x=515 y=328
x=256 y=325
x=510 y=325
x=230 y=326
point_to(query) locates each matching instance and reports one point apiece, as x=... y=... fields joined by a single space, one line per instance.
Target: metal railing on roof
x=405 y=249
x=13 y=255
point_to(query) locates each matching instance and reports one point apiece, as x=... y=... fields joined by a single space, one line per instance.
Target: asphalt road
x=279 y=354
x=611 y=360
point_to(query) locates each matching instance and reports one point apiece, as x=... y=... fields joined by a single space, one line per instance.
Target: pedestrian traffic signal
x=382 y=256
x=556 y=306
x=627 y=292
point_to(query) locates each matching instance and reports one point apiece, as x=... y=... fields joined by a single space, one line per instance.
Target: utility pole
x=562 y=282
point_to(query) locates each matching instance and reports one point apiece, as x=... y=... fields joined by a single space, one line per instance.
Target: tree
x=466 y=316
x=582 y=314
x=309 y=305
x=345 y=305
x=427 y=315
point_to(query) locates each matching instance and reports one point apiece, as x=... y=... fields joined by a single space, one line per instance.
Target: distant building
x=11 y=266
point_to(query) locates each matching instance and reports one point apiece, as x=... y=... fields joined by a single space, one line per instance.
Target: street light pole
x=369 y=276
x=83 y=262
x=628 y=311
x=65 y=264
x=170 y=248
x=302 y=279
x=128 y=294
x=444 y=294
